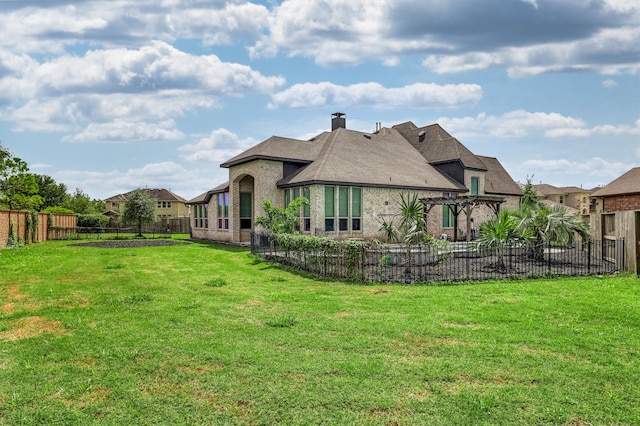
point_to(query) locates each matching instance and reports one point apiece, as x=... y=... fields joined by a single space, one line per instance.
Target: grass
x=206 y=334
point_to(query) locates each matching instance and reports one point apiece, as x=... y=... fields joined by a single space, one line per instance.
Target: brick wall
x=622 y=202
x=19 y=219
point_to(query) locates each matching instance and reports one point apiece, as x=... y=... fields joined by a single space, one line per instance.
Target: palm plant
x=551 y=225
x=500 y=232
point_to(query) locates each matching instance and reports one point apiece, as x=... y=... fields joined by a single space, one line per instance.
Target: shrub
x=92 y=220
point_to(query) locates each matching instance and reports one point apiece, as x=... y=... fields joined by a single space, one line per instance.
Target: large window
x=356 y=209
x=200 y=214
x=304 y=216
x=329 y=208
x=245 y=210
x=306 y=211
x=223 y=210
x=349 y=208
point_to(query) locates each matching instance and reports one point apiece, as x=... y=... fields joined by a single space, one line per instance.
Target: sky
x=110 y=96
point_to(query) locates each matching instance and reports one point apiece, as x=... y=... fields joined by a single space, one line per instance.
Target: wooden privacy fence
x=29 y=227
x=173 y=225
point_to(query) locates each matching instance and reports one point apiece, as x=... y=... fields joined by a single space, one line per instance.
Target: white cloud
x=606 y=52
x=603 y=130
x=218 y=147
x=418 y=95
x=589 y=173
x=609 y=83
x=110 y=90
x=126 y=131
x=461 y=36
x=513 y=124
x=170 y=175
x=233 y=22
x=151 y=68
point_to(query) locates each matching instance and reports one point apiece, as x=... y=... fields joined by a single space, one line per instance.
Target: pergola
x=464 y=203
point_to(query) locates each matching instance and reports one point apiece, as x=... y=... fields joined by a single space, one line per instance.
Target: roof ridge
x=326 y=147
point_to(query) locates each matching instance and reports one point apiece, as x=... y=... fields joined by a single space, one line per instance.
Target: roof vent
x=367 y=135
x=421 y=135
x=338 y=121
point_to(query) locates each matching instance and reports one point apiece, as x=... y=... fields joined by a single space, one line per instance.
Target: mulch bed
x=131 y=243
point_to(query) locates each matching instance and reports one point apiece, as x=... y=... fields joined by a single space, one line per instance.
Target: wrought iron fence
x=451 y=262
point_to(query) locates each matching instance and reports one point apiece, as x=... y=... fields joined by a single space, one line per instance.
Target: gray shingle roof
x=206 y=196
x=402 y=156
x=544 y=190
x=628 y=183
x=278 y=148
x=497 y=180
x=382 y=159
x=159 y=194
x=438 y=146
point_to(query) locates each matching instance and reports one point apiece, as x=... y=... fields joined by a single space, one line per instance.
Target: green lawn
x=206 y=334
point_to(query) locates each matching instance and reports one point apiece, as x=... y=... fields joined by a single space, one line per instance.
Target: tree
x=20 y=192
x=140 y=208
x=530 y=198
x=10 y=165
x=279 y=220
x=53 y=194
x=18 y=189
x=80 y=203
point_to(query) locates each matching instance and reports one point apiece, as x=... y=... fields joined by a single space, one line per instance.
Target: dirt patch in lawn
x=17 y=301
x=27 y=327
x=131 y=243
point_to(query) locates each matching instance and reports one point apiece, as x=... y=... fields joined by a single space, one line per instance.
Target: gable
x=628 y=183
x=382 y=159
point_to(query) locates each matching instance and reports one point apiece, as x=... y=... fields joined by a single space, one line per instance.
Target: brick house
x=616 y=214
x=352 y=179
x=169 y=205
x=572 y=198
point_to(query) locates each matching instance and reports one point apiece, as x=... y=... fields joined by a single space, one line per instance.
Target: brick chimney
x=338 y=120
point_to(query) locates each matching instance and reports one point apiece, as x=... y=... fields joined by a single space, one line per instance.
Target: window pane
x=220 y=205
x=226 y=206
x=355 y=224
x=328 y=225
x=287 y=197
x=344 y=224
x=329 y=201
x=307 y=208
x=343 y=202
x=447 y=217
x=356 y=200
x=296 y=193
x=474 y=186
x=245 y=204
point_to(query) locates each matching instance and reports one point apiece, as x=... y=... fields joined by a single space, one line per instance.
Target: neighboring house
x=617 y=215
x=353 y=180
x=573 y=198
x=169 y=205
